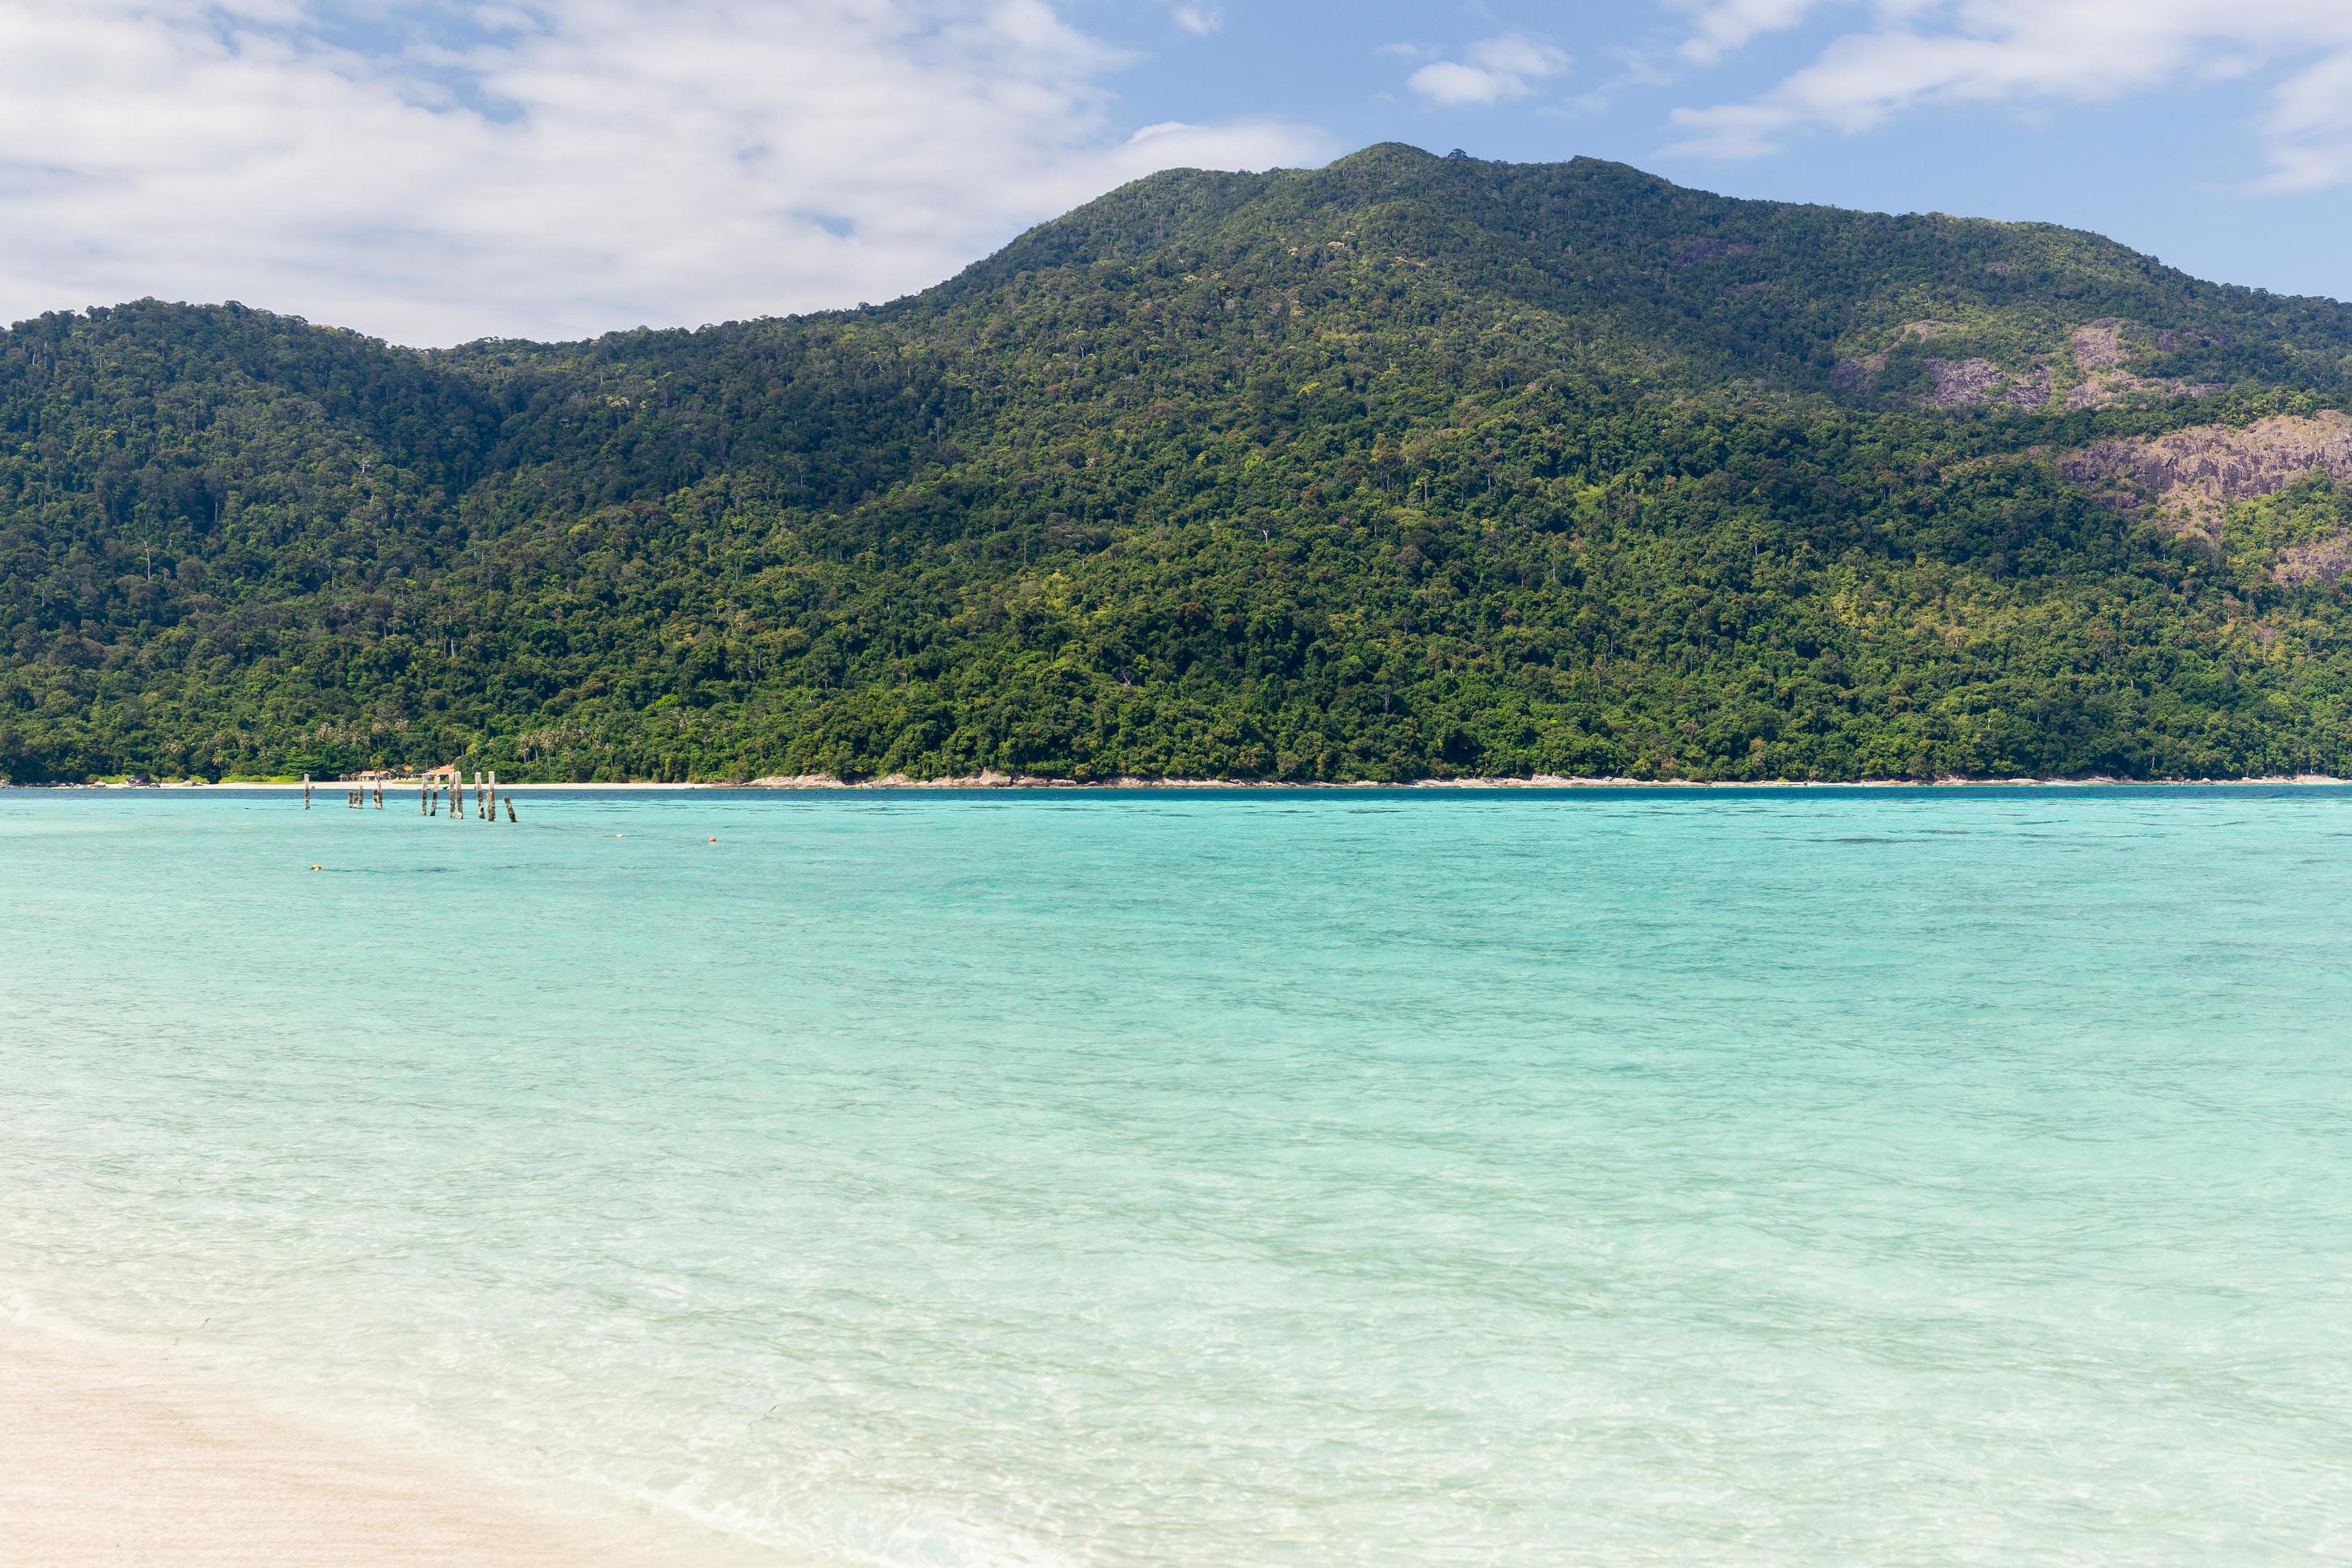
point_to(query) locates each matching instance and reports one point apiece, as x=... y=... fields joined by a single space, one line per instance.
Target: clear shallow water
x=1885 y=1177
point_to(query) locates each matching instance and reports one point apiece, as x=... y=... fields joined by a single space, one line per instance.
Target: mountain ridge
x=1406 y=467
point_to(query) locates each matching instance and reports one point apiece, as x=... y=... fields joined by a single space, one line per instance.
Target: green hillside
x=1406 y=468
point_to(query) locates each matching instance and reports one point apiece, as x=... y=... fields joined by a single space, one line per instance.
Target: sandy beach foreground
x=105 y=1459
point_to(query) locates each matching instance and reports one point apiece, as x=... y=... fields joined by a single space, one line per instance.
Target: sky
x=435 y=171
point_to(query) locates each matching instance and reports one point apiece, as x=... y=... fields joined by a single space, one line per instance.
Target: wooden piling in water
x=306 y=792
x=510 y=816
x=378 y=794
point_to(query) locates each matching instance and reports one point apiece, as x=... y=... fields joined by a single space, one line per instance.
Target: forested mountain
x=1407 y=466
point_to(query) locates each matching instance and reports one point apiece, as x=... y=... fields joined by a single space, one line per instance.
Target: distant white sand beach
x=1013 y=782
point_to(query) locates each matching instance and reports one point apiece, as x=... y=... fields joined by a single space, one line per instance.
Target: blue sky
x=435 y=170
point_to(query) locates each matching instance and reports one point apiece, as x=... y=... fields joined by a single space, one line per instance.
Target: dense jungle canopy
x=1406 y=467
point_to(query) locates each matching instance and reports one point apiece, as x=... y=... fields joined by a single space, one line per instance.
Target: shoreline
x=114 y=1455
x=1001 y=782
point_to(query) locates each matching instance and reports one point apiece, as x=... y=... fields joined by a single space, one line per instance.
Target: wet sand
x=105 y=1459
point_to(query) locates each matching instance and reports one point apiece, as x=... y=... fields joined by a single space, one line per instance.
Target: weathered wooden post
x=306 y=792
x=378 y=794
x=494 y=794
x=510 y=816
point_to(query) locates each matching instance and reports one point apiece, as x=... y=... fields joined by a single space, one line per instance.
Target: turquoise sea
x=1352 y=1178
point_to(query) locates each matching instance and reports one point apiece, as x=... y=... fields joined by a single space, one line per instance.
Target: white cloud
x=1720 y=26
x=2309 y=128
x=1913 y=54
x=1199 y=20
x=1490 y=71
x=550 y=170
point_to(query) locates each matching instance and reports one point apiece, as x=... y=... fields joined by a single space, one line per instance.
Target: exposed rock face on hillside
x=2188 y=477
x=1961 y=383
x=2097 y=378
x=2301 y=565
x=2100 y=355
x=2099 y=345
